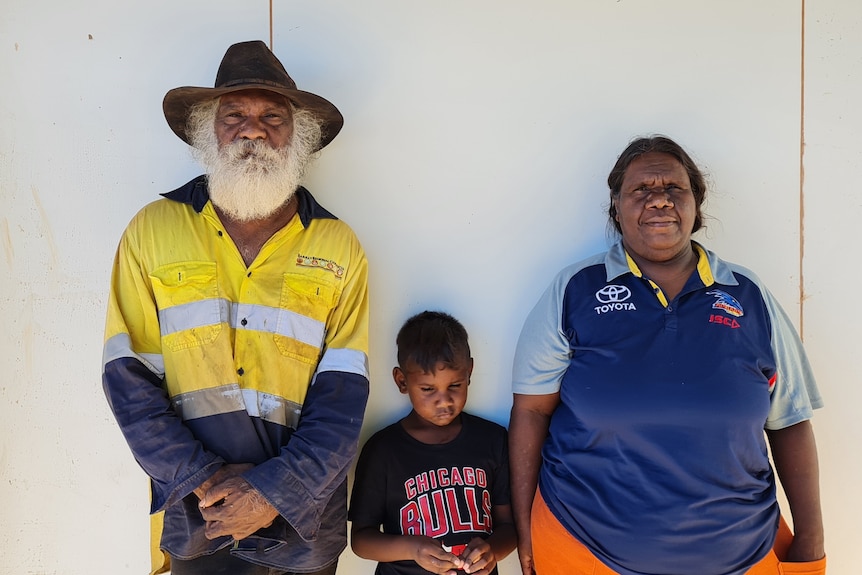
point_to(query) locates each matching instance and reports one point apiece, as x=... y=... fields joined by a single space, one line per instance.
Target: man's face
x=254 y=115
x=255 y=150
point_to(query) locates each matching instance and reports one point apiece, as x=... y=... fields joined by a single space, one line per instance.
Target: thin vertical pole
x=271 y=44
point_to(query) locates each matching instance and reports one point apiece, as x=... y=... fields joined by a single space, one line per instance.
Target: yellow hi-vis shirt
x=238 y=350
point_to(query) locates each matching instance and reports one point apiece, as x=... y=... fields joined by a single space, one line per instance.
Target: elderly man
x=237 y=334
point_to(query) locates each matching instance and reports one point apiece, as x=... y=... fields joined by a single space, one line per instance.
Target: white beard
x=249 y=180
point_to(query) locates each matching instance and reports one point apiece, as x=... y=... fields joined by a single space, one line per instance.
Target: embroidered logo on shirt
x=313 y=262
x=613 y=298
x=726 y=302
x=730 y=322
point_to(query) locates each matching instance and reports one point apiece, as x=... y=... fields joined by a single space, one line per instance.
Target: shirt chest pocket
x=190 y=310
x=305 y=305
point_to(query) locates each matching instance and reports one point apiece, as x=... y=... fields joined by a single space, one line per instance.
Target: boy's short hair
x=432 y=337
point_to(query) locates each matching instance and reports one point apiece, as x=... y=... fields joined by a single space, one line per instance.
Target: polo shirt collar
x=196 y=194
x=710 y=267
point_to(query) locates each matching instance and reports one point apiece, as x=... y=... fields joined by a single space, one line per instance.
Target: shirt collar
x=196 y=194
x=710 y=267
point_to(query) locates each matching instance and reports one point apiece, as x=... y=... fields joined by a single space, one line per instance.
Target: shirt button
x=240 y=371
x=244 y=321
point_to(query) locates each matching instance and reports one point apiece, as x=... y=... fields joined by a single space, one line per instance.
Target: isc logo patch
x=723 y=320
x=613 y=298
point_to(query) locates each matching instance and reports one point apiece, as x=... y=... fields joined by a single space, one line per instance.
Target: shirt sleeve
x=368 y=499
x=500 y=491
x=300 y=482
x=132 y=379
x=542 y=353
x=795 y=394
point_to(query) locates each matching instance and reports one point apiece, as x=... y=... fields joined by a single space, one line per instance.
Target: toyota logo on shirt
x=613 y=294
x=613 y=298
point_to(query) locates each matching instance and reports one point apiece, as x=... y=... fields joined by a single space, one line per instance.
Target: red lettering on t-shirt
x=444 y=477
x=481 y=478
x=486 y=507
x=469 y=474
x=480 y=520
x=422 y=482
x=458 y=525
x=434 y=519
x=456 y=478
x=411 y=520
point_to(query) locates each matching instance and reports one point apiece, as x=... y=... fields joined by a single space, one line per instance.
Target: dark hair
x=662 y=145
x=432 y=337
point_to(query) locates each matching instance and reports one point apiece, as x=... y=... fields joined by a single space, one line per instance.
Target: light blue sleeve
x=795 y=395
x=542 y=353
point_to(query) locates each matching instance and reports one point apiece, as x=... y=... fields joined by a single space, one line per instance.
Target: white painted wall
x=833 y=211
x=477 y=140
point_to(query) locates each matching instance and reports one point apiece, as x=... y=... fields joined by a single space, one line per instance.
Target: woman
x=643 y=382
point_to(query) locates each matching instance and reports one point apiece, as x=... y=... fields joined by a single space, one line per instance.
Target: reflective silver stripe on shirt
x=347 y=360
x=120 y=346
x=277 y=321
x=230 y=398
x=194 y=314
x=300 y=327
x=272 y=408
x=255 y=317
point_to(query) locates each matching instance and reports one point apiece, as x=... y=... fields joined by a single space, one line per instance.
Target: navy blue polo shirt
x=656 y=458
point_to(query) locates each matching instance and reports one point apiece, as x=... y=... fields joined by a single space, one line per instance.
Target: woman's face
x=656 y=208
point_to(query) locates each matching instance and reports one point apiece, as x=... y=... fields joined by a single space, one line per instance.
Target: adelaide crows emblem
x=726 y=302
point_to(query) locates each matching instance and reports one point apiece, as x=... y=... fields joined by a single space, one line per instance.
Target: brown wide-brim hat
x=251 y=66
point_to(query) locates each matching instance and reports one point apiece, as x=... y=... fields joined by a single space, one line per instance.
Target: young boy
x=437 y=481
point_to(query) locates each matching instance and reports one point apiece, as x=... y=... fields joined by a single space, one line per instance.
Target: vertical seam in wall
x=802 y=176
x=271 y=43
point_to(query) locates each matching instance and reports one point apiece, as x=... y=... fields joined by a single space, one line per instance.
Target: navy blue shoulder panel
x=194 y=193
x=309 y=209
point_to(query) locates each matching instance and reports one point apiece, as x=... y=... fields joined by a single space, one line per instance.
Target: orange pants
x=556 y=551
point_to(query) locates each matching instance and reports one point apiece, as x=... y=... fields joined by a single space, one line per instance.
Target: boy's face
x=438 y=398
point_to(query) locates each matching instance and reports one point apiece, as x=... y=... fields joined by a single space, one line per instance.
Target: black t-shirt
x=442 y=491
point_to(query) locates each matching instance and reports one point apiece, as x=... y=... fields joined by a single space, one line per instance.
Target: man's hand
x=431 y=556
x=224 y=472
x=479 y=559
x=233 y=507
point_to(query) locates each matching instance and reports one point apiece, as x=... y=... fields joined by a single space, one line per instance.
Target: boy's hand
x=478 y=557
x=429 y=554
